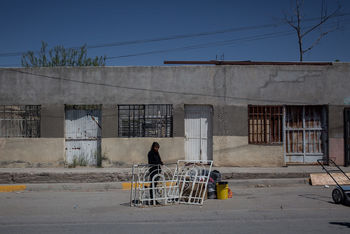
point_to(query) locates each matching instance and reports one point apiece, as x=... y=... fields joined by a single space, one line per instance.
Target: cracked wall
x=229 y=89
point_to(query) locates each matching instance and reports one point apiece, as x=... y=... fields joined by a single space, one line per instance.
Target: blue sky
x=24 y=24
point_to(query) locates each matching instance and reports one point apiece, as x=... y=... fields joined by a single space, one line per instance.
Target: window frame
x=271 y=133
x=30 y=118
x=141 y=118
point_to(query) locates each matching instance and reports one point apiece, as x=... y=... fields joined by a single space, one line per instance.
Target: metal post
x=284 y=135
x=304 y=131
x=132 y=187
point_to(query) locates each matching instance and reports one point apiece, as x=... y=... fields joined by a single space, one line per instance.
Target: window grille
x=145 y=120
x=20 y=120
x=305 y=126
x=265 y=124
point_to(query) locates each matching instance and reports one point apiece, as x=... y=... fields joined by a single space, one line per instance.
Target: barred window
x=20 y=121
x=145 y=120
x=265 y=124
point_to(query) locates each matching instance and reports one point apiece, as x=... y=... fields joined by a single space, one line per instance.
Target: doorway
x=198 y=132
x=83 y=135
x=347 y=136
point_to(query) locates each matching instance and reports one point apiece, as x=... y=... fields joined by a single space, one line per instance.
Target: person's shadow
x=345 y=224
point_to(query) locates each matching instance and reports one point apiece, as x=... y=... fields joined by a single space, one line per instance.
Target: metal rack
x=184 y=182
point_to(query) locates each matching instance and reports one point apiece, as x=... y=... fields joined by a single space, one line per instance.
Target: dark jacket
x=154 y=158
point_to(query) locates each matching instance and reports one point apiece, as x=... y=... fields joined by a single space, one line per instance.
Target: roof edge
x=219 y=62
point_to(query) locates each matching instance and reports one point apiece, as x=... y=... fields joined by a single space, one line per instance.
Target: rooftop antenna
x=222 y=57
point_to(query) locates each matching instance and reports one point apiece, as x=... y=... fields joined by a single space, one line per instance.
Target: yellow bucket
x=222 y=190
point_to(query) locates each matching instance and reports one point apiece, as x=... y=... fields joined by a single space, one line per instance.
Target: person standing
x=154 y=161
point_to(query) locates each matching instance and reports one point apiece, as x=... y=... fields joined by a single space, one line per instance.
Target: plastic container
x=222 y=190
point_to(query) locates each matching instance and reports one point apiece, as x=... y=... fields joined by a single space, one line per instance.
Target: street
x=303 y=209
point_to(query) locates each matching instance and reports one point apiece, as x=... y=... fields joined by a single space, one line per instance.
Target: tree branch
x=318 y=40
x=323 y=20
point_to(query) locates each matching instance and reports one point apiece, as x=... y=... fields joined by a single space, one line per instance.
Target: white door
x=198 y=132
x=83 y=135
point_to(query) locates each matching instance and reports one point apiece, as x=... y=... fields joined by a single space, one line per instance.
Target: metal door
x=347 y=136
x=198 y=132
x=305 y=134
x=83 y=135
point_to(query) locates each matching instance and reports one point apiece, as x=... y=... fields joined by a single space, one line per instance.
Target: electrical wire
x=176 y=37
x=206 y=45
x=211 y=44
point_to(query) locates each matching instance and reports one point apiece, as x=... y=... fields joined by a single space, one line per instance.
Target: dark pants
x=154 y=170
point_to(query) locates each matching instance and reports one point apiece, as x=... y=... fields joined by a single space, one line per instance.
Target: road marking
x=11 y=188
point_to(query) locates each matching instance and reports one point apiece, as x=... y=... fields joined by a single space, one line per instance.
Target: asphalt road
x=301 y=209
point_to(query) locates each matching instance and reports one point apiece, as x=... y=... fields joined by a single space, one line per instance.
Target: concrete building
x=252 y=114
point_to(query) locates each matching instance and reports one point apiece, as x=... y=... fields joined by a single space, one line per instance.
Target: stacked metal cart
x=184 y=182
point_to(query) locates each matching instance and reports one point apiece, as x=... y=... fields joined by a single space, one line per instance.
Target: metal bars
x=154 y=120
x=305 y=133
x=131 y=120
x=265 y=124
x=193 y=177
x=20 y=120
x=186 y=182
x=347 y=136
x=153 y=185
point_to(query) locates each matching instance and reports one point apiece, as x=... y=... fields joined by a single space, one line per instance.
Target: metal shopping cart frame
x=341 y=193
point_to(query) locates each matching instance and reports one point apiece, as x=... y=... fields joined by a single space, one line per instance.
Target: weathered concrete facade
x=228 y=89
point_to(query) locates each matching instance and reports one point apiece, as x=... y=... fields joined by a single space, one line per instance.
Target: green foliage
x=78 y=161
x=60 y=56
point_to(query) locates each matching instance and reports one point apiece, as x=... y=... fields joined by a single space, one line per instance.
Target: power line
x=150 y=90
x=206 y=45
x=210 y=44
x=180 y=36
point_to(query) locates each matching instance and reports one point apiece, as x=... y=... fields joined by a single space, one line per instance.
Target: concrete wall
x=336 y=133
x=31 y=152
x=230 y=141
x=129 y=151
x=235 y=151
x=213 y=85
x=229 y=89
x=52 y=121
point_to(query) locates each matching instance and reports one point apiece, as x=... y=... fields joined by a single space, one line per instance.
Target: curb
x=12 y=188
x=113 y=177
x=110 y=186
x=74 y=187
x=275 y=182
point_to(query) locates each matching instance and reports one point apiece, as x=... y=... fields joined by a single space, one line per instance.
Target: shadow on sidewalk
x=345 y=224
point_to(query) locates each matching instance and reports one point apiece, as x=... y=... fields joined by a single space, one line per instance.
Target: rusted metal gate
x=305 y=134
x=83 y=134
x=347 y=136
x=198 y=132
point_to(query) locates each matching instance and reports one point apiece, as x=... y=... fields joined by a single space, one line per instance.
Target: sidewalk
x=108 y=175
